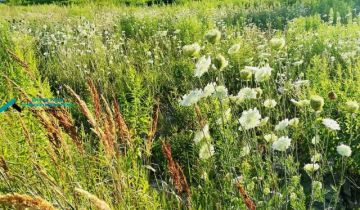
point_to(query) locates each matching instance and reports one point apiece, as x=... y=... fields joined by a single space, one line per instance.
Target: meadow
x=193 y=105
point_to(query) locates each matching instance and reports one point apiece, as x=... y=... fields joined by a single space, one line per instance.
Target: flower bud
x=191 y=50
x=270 y=137
x=264 y=121
x=266 y=191
x=294 y=122
x=234 y=49
x=301 y=103
x=277 y=43
x=220 y=62
x=316 y=158
x=246 y=74
x=332 y=95
x=311 y=167
x=316 y=185
x=317 y=103
x=352 y=106
x=259 y=92
x=213 y=36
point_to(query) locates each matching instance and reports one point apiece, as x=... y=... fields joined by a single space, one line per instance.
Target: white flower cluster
x=282 y=144
x=270 y=103
x=191 y=98
x=249 y=119
x=331 y=124
x=344 y=150
x=247 y=93
x=202 y=66
x=211 y=89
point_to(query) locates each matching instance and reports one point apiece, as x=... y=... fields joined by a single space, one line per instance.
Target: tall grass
x=128 y=143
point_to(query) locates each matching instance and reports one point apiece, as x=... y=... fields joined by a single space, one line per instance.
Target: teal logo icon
x=11 y=103
x=37 y=104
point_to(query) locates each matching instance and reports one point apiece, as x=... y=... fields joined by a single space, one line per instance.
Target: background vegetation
x=130 y=58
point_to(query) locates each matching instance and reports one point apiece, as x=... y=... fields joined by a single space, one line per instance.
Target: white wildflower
x=282 y=125
x=311 y=167
x=201 y=134
x=221 y=92
x=270 y=103
x=298 y=63
x=235 y=99
x=206 y=151
x=343 y=150
x=250 y=119
x=193 y=97
x=263 y=74
x=204 y=175
x=270 y=137
x=202 y=66
x=331 y=124
x=247 y=93
x=209 y=89
x=281 y=144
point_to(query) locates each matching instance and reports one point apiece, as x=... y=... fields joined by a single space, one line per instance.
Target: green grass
x=134 y=56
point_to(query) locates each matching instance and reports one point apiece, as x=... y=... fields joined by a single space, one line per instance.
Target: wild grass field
x=192 y=105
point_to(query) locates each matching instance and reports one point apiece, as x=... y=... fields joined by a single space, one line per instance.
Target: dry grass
x=95 y=99
x=122 y=129
x=199 y=116
x=96 y=127
x=97 y=202
x=3 y=164
x=53 y=131
x=153 y=129
x=83 y=107
x=109 y=125
x=176 y=173
x=20 y=201
x=247 y=200
x=66 y=122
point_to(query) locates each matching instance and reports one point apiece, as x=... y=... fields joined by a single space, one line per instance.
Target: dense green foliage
x=135 y=56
